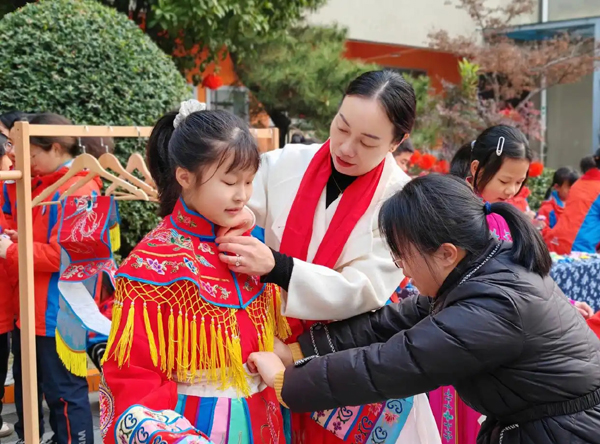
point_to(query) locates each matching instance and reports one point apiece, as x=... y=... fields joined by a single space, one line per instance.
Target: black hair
x=484 y=150
x=404 y=147
x=562 y=175
x=460 y=165
x=586 y=164
x=597 y=158
x=394 y=93
x=201 y=139
x=8 y=119
x=96 y=146
x=435 y=209
x=68 y=144
x=3 y=140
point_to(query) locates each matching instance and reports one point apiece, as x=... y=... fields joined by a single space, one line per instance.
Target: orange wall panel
x=438 y=65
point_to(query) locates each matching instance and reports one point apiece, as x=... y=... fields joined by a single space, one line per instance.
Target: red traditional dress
x=183 y=327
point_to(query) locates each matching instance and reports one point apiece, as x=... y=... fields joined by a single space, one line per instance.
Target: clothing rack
x=22 y=176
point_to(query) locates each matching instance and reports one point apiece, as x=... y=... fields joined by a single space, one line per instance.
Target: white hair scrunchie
x=186 y=108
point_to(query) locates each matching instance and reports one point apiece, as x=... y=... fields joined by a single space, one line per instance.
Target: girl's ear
x=474 y=166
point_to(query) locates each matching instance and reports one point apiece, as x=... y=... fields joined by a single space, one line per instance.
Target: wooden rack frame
x=22 y=175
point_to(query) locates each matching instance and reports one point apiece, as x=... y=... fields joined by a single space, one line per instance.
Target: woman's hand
x=5 y=243
x=267 y=364
x=247 y=255
x=584 y=309
x=12 y=234
x=245 y=222
x=283 y=352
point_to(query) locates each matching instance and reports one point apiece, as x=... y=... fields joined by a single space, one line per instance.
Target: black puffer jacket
x=508 y=340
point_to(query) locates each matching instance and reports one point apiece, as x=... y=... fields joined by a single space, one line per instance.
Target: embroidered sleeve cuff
x=279 y=388
x=296 y=350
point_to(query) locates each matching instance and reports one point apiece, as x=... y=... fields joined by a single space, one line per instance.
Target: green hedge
x=538 y=187
x=93 y=65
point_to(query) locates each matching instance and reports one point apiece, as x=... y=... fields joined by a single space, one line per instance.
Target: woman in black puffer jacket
x=496 y=327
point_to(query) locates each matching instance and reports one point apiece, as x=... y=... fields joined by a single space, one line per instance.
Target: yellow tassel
x=114 y=328
x=186 y=344
x=224 y=380
x=268 y=335
x=212 y=365
x=180 y=370
x=261 y=344
x=203 y=346
x=115 y=237
x=161 y=340
x=194 y=360
x=171 y=355
x=239 y=380
x=126 y=340
x=74 y=361
x=150 y=334
x=283 y=328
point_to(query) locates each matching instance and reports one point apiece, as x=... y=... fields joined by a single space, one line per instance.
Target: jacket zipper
x=507 y=429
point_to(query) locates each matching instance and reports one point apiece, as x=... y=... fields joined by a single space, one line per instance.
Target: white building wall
x=400 y=22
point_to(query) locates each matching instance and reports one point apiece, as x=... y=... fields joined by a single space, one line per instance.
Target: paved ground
x=9 y=415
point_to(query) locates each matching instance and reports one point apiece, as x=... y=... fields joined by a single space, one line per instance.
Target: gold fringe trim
x=161 y=340
x=126 y=341
x=115 y=237
x=74 y=361
x=184 y=349
x=114 y=328
x=186 y=343
x=283 y=330
x=151 y=341
x=180 y=369
x=171 y=354
x=194 y=357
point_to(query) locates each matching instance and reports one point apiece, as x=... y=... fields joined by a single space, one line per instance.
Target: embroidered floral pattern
x=206 y=248
x=155 y=265
x=169 y=237
x=192 y=267
x=85 y=271
x=448 y=418
x=215 y=290
x=107 y=407
x=390 y=418
x=204 y=262
x=186 y=220
x=251 y=283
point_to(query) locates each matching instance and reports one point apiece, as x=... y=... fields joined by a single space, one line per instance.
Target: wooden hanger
x=110 y=162
x=87 y=162
x=137 y=163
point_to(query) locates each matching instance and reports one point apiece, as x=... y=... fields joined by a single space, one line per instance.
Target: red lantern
x=415 y=157
x=212 y=81
x=427 y=161
x=536 y=169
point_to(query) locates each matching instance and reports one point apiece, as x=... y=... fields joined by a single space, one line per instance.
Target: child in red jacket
x=556 y=196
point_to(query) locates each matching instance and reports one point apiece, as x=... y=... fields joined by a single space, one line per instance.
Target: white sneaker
x=5 y=431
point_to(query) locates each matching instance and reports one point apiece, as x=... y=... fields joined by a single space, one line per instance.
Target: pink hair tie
x=572 y=301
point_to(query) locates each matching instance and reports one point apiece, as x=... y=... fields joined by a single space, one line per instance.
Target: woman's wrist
x=278 y=386
x=296 y=350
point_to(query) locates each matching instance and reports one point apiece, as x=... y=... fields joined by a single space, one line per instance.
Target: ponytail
x=548 y=193
x=159 y=164
x=460 y=166
x=528 y=249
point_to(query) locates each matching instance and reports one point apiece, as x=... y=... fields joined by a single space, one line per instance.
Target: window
x=231 y=98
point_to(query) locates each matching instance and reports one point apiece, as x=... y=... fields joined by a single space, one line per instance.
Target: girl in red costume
x=183 y=324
